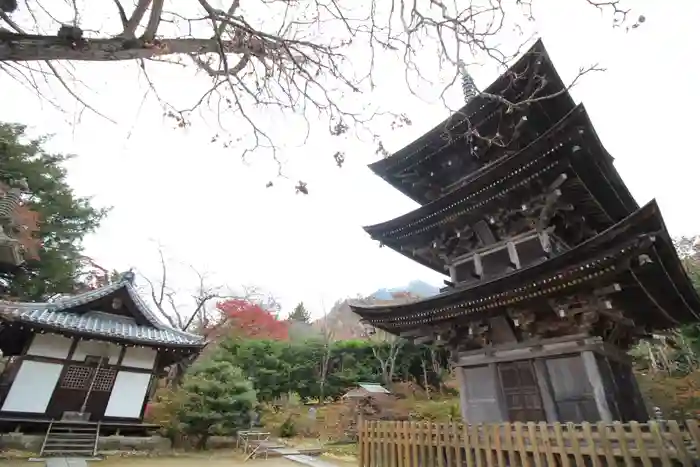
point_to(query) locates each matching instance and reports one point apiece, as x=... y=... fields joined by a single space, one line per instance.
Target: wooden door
x=78 y=381
x=101 y=390
x=520 y=392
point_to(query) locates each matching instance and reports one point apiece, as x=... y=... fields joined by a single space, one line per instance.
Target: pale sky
x=213 y=211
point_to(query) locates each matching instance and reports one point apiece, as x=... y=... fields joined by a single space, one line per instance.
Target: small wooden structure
x=419 y=444
x=367 y=390
x=92 y=357
x=555 y=270
x=368 y=401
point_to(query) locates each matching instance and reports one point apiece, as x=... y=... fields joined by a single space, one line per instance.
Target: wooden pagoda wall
x=573 y=379
x=55 y=374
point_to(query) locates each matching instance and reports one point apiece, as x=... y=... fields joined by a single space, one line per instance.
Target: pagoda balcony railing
x=505 y=256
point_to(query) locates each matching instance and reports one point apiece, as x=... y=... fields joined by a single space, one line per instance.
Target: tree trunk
x=325 y=361
x=21 y=47
x=178 y=370
x=425 y=378
x=202 y=442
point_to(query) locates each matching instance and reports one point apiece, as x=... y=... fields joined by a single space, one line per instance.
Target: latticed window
x=104 y=379
x=76 y=377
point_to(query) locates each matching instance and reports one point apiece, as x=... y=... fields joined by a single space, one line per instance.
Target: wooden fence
x=420 y=444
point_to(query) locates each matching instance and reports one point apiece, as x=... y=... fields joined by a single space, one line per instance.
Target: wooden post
x=453 y=274
x=463 y=396
x=550 y=409
x=513 y=255
x=500 y=397
x=593 y=373
x=361 y=441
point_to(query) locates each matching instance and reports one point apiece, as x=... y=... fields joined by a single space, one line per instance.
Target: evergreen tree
x=217 y=400
x=300 y=314
x=64 y=219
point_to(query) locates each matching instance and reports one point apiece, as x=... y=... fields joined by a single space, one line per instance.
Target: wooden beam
x=478 y=267
x=524 y=354
x=453 y=274
x=576 y=339
x=610 y=289
x=546 y=212
x=501 y=330
x=483 y=231
x=513 y=255
x=545 y=242
x=559 y=181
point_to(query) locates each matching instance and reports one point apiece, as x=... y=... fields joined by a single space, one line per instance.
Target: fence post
x=361 y=442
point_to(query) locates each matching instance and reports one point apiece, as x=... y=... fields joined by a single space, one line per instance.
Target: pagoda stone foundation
x=555 y=271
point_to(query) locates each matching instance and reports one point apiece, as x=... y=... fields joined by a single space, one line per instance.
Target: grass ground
x=194 y=460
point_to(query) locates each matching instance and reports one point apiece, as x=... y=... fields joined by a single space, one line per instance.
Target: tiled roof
x=58 y=315
x=373 y=387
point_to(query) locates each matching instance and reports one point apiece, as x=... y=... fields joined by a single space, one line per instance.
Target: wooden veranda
x=420 y=444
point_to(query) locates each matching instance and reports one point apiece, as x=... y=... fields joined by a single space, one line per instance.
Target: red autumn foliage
x=249 y=320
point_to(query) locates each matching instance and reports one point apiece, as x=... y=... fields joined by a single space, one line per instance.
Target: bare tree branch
x=167 y=301
x=314 y=61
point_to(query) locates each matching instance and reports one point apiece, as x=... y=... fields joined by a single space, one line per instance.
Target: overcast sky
x=213 y=211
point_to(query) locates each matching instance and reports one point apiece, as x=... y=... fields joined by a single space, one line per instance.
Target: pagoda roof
x=657 y=292
x=571 y=147
x=425 y=155
x=84 y=315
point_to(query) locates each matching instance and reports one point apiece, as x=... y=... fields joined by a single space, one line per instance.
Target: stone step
x=62 y=452
x=74 y=429
x=64 y=439
x=69 y=442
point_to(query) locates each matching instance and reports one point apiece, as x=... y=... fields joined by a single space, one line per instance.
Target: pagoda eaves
x=636 y=254
x=424 y=169
x=566 y=172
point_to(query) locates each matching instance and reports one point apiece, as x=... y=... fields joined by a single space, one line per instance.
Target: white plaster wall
x=33 y=386
x=128 y=394
x=50 y=345
x=138 y=357
x=97 y=348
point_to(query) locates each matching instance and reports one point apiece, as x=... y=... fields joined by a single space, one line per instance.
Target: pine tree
x=300 y=314
x=218 y=400
x=64 y=219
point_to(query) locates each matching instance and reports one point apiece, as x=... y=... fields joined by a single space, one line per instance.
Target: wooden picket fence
x=420 y=444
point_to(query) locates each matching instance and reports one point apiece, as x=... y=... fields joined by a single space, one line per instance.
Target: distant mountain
x=341 y=323
x=416 y=288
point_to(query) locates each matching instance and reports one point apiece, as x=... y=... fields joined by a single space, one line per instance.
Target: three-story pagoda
x=555 y=270
x=11 y=250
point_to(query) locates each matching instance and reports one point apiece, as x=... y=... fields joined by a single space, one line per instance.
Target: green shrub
x=288 y=428
x=216 y=400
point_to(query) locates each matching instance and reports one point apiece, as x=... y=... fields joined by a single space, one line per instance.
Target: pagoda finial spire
x=468 y=86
